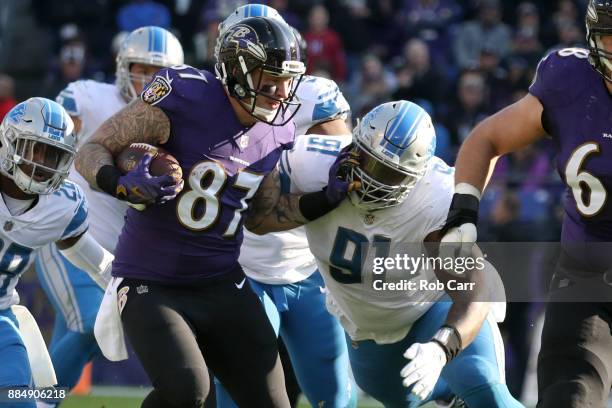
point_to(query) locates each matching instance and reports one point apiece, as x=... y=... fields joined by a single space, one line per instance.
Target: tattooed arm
x=137 y=122
x=272 y=210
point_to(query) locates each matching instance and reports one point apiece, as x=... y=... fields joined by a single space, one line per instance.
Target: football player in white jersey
x=416 y=344
x=74 y=296
x=281 y=268
x=37 y=207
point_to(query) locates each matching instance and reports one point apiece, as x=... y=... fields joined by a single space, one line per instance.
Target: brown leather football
x=161 y=164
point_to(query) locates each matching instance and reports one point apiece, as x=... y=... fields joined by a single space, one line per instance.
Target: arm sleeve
x=321 y=101
x=79 y=221
x=442 y=182
x=89 y=256
x=307 y=165
x=68 y=98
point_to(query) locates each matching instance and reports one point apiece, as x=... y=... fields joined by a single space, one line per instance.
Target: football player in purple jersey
x=186 y=305
x=570 y=101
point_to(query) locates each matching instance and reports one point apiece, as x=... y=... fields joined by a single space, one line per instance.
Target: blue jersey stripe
x=79 y=218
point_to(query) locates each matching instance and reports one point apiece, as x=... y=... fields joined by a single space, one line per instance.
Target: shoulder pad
x=182 y=81
x=560 y=76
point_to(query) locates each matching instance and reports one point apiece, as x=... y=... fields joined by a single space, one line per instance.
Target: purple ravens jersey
x=198 y=235
x=578 y=116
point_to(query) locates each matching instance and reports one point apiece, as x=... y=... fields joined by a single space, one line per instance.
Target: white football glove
x=422 y=372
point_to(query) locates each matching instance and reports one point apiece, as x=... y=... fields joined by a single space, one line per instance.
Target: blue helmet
x=395 y=142
x=149 y=45
x=38 y=145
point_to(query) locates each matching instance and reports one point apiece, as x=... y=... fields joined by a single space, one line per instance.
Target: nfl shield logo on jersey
x=243 y=142
x=8 y=225
x=157 y=90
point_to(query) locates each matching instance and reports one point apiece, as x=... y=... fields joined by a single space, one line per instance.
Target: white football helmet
x=395 y=142
x=146 y=45
x=38 y=145
x=242 y=13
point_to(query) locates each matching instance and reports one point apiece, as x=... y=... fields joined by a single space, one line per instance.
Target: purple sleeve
x=552 y=82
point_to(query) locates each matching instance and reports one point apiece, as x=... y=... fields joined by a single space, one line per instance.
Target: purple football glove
x=139 y=187
x=338 y=185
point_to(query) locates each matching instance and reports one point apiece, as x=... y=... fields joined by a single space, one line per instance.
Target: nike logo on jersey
x=241 y=284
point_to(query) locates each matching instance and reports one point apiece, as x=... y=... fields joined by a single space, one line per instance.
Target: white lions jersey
x=283 y=257
x=94 y=102
x=341 y=240
x=53 y=218
x=320 y=101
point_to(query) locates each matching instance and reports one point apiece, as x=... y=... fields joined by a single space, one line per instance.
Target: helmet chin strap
x=265 y=114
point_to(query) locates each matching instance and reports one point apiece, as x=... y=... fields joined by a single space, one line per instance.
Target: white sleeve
x=306 y=166
x=89 y=256
x=69 y=98
x=441 y=187
x=79 y=217
x=320 y=101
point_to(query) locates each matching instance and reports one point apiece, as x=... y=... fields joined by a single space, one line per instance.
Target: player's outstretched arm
x=510 y=129
x=470 y=306
x=136 y=122
x=331 y=127
x=87 y=254
x=463 y=322
x=271 y=210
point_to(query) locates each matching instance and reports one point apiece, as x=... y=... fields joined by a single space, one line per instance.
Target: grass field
x=134 y=402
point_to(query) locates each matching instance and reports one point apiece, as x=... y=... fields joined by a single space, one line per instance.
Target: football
x=161 y=164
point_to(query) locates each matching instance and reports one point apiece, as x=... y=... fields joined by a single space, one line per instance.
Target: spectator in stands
x=325 y=49
x=430 y=20
x=526 y=170
x=207 y=32
x=570 y=35
x=487 y=31
x=7 y=94
x=140 y=13
x=469 y=106
x=416 y=77
x=282 y=6
x=71 y=67
x=495 y=77
x=566 y=13
x=370 y=86
x=528 y=20
x=526 y=41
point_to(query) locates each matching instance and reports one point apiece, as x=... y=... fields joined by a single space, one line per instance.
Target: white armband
x=89 y=256
x=466 y=188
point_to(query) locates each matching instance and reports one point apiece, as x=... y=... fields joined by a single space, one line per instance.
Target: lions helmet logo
x=157 y=90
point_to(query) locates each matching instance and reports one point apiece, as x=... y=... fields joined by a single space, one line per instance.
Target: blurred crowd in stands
x=460 y=59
